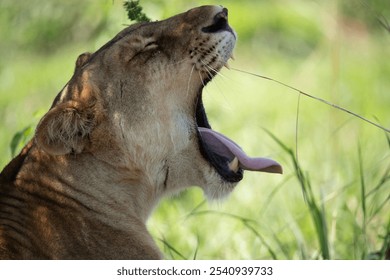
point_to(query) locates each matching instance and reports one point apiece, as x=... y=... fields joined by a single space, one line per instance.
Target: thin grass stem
x=172 y=249
x=316 y=98
x=318 y=215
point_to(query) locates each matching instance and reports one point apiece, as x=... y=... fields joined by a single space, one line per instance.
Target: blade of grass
x=386 y=244
x=257 y=234
x=318 y=215
x=206 y=212
x=197 y=248
x=171 y=249
x=379 y=208
x=282 y=247
x=20 y=138
x=388 y=139
x=245 y=221
x=385 y=178
x=196 y=208
x=315 y=98
x=363 y=202
x=376 y=194
x=273 y=193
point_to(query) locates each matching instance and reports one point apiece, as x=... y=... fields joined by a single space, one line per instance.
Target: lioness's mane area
x=127 y=129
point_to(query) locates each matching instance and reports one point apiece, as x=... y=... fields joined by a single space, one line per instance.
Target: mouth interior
x=220 y=161
x=228 y=159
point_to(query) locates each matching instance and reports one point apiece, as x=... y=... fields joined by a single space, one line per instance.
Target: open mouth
x=228 y=159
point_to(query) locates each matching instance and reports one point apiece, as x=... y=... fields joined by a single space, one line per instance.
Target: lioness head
x=136 y=104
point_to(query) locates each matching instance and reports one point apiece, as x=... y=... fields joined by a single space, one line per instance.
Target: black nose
x=220 y=23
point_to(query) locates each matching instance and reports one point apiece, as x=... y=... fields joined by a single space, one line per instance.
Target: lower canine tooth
x=227 y=65
x=233 y=165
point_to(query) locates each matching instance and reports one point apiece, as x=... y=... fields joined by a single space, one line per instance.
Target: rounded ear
x=65 y=128
x=82 y=59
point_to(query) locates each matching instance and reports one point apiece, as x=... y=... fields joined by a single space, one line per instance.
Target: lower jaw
x=219 y=190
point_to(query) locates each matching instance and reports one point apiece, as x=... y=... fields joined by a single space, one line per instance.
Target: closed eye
x=150 y=46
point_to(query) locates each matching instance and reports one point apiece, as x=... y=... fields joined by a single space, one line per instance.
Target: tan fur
x=119 y=136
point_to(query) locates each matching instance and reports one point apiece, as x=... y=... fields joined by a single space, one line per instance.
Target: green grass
x=317 y=213
x=333 y=200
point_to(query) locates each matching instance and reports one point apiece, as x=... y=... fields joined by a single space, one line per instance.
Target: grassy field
x=333 y=200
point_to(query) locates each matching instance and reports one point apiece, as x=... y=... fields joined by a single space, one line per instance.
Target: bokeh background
x=332 y=200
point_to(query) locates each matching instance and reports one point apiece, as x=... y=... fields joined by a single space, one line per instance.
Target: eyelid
x=150 y=46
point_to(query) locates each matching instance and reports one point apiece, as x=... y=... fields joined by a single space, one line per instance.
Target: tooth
x=227 y=65
x=232 y=56
x=233 y=165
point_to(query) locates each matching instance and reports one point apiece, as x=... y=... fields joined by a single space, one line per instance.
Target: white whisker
x=189 y=79
x=215 y=71
x=216 y=84
x=178 y=62
x=201 y=79
x=206 y=68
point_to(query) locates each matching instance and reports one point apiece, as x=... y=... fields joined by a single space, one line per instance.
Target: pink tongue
x=226 y=147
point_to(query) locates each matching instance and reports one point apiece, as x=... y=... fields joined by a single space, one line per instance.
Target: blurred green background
x=335 y=204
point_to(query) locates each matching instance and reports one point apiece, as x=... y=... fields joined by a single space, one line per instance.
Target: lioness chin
x=127 y=129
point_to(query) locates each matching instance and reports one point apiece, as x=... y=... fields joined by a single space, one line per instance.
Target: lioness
x=128 y=128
